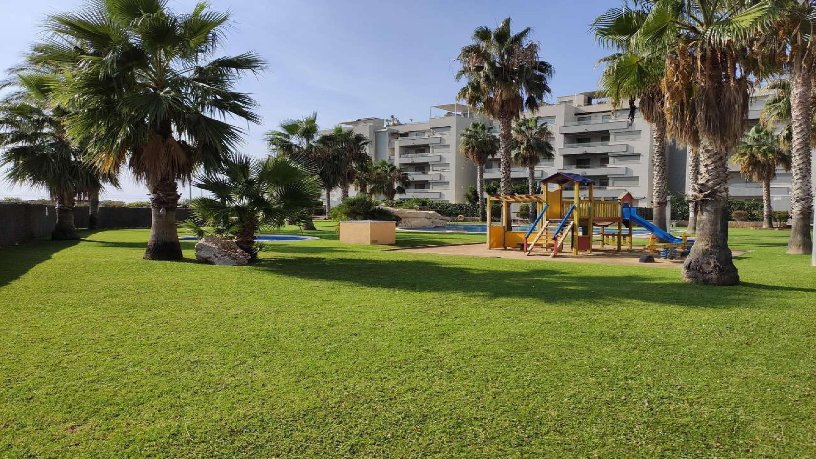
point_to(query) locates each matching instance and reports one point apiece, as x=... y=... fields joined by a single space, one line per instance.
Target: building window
x=605 y=138
x=604 y=161
x=602 y=181
x=582 y=163
x=583 y=140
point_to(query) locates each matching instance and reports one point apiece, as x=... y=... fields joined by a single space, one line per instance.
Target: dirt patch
x=606 y=257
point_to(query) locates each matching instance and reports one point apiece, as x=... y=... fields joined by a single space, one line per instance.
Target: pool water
x=268 y=238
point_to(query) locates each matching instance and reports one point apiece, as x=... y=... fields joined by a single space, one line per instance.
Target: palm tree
x=636 y=76
x=478 y=144
x=531 y=144
x=142 y=92
x=364 y=176
x=705 y=86
x=504 y=76
x=248 y=193
x=349 y=153
x=389 y=181
x=759 y=155
x=37 y=151
x=790 y=45
x=298 y=139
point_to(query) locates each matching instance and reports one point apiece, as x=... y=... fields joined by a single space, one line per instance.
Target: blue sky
x=356 y=58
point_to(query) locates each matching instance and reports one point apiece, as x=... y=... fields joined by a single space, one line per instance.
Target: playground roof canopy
x=561 y=178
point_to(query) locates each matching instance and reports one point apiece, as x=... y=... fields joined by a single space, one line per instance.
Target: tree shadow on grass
x=548 y=284
x=17 y=260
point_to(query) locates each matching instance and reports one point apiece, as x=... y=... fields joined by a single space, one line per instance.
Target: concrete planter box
x=368 y=232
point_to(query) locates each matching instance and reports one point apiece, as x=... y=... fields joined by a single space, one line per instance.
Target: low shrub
x=740 y=215
x=361 y=207
x=781 y=217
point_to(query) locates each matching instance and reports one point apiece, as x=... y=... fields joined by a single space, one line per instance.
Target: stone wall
x=20 y=222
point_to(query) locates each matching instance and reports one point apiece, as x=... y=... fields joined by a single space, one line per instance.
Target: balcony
x=412 y=141
x=421 y=194
x=424 y=177
x=594 y=125
x=515 y=172
x=418 y=159
x=592 y=147
x=602 y=170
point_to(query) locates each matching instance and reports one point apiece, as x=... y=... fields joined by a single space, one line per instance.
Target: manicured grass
x=324 y=349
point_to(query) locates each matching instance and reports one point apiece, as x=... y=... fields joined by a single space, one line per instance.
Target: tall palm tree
x=504 y=76
x=478 y=144
x=531 y=144
x=389 y=181
x=298 y=139
x=759 y=155
x=636 y=76
x=364 y=176
x=349 y=151
x=143 y=93
x=705 y=85
x=248 y=193
x=790 y=45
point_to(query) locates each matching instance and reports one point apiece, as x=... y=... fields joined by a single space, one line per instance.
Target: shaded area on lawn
x=18 y=260
x=521 y=280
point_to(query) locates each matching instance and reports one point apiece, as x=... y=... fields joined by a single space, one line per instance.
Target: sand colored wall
x=368 y=232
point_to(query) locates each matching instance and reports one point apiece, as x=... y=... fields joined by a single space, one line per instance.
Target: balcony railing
x=420 y=158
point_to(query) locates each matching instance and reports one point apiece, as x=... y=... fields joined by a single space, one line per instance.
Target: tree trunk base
x=163 y=251
x=92 y=222
x=800 y=242
x=64 y=234
x=308 y=224
x=712 y=266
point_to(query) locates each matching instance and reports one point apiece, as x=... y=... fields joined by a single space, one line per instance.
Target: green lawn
x=324 y=350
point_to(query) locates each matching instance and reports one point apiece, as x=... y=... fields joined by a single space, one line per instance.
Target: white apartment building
x=428 y=151
x=590 y=138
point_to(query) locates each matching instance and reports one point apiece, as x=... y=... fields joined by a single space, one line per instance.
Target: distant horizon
x=398 y=60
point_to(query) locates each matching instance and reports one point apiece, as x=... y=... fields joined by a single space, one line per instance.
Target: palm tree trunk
x=659 y=180
x=344 y=191
x=506 y=138
x=163 y=243
x=801 y=193
x=64 y=228
x=694 y=172
x=93 y=209
x=328 y=202
x=767 y=210
x=245 y=240
x=480 y=191
x=710 y=259
x=531 y=190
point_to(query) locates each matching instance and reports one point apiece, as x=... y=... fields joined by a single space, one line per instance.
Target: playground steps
x=559 y=242
x=540 y=233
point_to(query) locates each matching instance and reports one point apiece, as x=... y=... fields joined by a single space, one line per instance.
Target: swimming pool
x=268 y=238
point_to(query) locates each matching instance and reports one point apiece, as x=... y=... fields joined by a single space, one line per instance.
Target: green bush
x=679 y=207
x=361 y=207
x=112 y=204
x=740 y=215
x=781 y=217
x=752 y=207
x=138 y=204
x=446 y=209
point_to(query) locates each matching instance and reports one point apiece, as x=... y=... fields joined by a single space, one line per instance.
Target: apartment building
x=590 y=137
x=428 y=151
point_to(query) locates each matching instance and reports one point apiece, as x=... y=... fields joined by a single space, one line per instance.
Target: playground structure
x=572 y=221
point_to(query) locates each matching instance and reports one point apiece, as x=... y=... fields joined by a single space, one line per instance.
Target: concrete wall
x=20 y=222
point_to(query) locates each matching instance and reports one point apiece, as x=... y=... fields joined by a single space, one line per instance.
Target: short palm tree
x=504 y=76
x=705 y=85
x=636 y=76
x=36 y=151
x=478 y=144
x=531 y=145
x=759 y=155
x=248 y=193
x=389 y=180
x=142 y=93
x=364 y=176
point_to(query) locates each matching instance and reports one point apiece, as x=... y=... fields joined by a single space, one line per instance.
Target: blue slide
x=631 y=214
x=563 y=222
